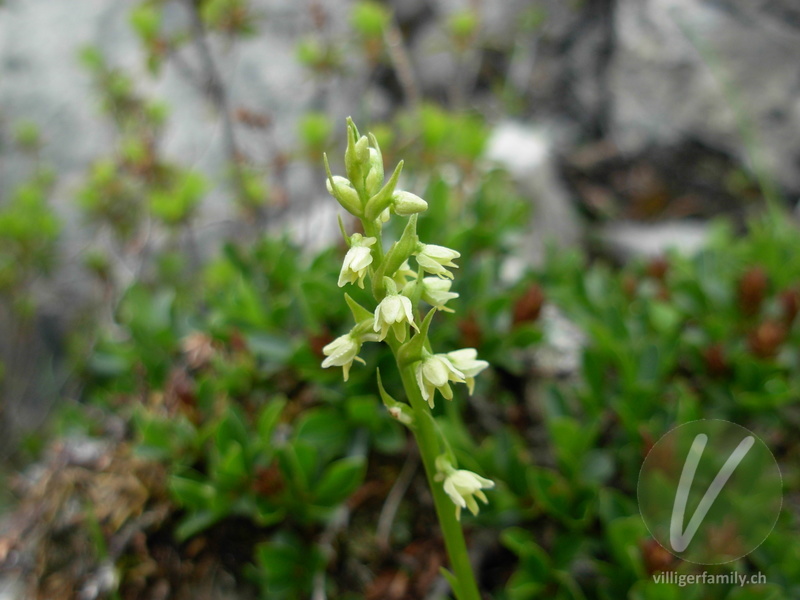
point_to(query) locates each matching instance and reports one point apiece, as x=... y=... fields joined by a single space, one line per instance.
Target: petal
x=470 y=385
x=391 y=309
x=451 y=490
x=346 y=370
x=362 y=258
x=463 y=355
x=420 y=382
x=446 y=391
x=434 y=372
x=472 y=505
x=441 y=252
x=345 y=277
x=406 y=304
x=399 y=330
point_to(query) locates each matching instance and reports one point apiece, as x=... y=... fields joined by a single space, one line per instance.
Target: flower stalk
x=395 y=319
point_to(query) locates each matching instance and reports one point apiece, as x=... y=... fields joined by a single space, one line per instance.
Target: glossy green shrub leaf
x=340 y=479
x=192 y=493
x=324 y=429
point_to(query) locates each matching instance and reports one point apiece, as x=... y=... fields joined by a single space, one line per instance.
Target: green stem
x=374 y=230
x=429 y=448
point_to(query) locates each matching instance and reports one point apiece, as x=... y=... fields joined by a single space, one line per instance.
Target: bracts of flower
x=398 y=290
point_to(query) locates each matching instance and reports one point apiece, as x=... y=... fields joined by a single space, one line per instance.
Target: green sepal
x=343 y=230
x=350 y=159
x=359 y=312
x=381 y=201
x=361 y=329
x=413 y=350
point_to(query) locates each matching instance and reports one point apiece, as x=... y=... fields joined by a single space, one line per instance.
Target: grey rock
x=11 y=588
x=627 y=240
x=698 y=69
x=527 y=154
x=42 y=80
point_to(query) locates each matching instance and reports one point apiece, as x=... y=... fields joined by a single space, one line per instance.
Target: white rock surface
x=628 y=240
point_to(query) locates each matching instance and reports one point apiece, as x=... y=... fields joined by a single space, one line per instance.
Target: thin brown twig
x=215 y=90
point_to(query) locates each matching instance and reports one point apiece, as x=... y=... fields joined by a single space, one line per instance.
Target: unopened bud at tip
x=406 y=204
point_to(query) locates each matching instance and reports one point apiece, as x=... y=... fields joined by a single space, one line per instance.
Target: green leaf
x=232 y=467
x=231 y=430
x=190 y=493
x=194 y=523
x=325 y=429
x=340 y=480
x=363 y=410
x=268 y=419
x=522 y=543
x=625 y=535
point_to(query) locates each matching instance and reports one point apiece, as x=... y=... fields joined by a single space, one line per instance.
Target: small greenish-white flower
x=433 y=259
x=463 y=487
x=466 y=360
x=436 y=292
x=435 y=373
x=356 y=261
x=393 y=312
x=406 y=204
x=385 y=215
x=341 y=352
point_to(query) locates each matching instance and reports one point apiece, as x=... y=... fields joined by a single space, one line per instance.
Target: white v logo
x=678 y=539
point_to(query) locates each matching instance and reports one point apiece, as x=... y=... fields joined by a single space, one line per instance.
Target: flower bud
x=374 y=179
x=341 y=189
x=362 y=150
x=356 y=156
x=406 y=204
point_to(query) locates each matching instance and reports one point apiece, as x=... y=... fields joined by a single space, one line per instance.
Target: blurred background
x=619 y=175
